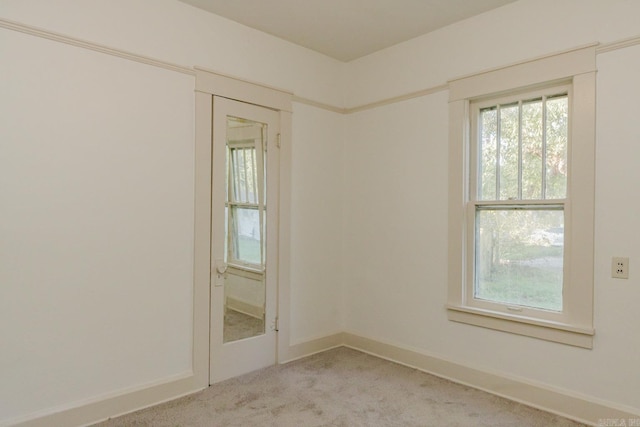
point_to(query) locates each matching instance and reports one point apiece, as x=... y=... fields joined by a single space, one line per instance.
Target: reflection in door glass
x=244 y=308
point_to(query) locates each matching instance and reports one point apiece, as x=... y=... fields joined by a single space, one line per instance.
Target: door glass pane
x=519 y=257
x=244 y=284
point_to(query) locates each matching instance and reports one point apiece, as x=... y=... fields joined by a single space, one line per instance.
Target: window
x=245 y=194
x=521 y=198
x=518 y=191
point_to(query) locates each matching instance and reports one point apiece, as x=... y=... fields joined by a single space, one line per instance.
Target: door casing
x=208 y=84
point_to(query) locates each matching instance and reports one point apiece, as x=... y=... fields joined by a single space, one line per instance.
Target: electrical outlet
x=620 y=268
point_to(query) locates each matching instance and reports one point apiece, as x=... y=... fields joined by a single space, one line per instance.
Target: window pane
x=509 y=158
x=557 y=133
x=532 y=150
x=244 y=176
x=487 y=153
x=252 y=175
x=519 y=257
x=246 y=235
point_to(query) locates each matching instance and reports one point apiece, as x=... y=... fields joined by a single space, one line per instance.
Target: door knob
x=221 y=269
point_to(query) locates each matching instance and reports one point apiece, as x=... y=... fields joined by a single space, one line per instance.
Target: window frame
x=259 y=156
x=574 y=325
x=474 y=201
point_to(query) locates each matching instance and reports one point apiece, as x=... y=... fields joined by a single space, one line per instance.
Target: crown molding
x=73 y=41
x=620 y=44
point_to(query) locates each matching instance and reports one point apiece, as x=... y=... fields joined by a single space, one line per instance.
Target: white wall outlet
x=620 y=268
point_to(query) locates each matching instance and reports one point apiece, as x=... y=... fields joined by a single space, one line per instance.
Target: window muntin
x=518 y=196
x=523 y=149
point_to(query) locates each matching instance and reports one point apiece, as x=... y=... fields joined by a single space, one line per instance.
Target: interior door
x=244 y=226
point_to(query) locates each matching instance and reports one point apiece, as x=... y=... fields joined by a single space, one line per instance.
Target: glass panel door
x=245 y=207
x=244 y=249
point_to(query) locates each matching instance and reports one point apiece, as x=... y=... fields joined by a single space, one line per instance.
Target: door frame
x=208 y=84
x=236 y=357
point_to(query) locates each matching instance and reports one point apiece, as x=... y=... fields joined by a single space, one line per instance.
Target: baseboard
x=307 y=348
x=578 y=408
x=245 y=308
x=583 y=409
x=101 y=408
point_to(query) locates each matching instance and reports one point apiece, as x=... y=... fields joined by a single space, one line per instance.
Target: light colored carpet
x=238 y=326
x=340 y=387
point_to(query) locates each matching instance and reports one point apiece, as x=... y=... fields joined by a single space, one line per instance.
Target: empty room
x=319 y=212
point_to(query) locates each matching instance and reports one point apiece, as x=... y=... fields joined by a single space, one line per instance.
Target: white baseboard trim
x=245 y=308
x=307 y=348
x=583 y=409
x=578 y=408
x=90 y=411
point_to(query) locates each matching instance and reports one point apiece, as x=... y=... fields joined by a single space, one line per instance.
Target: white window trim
x=577 y=66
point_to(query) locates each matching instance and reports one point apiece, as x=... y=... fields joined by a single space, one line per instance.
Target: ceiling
x=347 y=29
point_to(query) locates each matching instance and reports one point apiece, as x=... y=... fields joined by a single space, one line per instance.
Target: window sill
x=245 y=271
x=545 y=330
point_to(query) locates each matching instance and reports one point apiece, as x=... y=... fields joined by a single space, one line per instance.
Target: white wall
x=617 y=226
x=96 y=182
x=317 y=268
x=97 y=190
x=396 y=196
x=395 y=231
